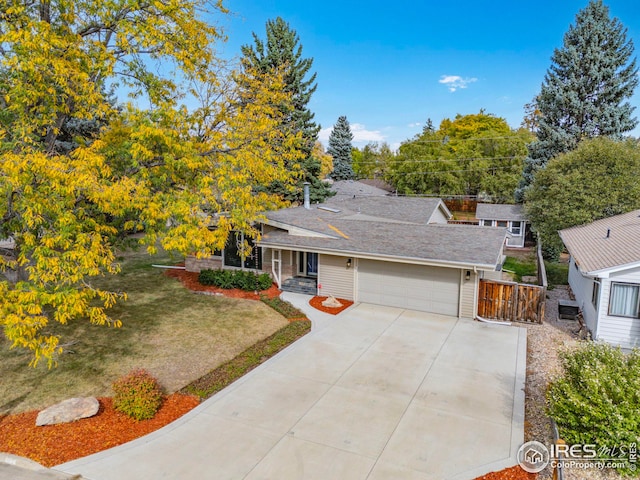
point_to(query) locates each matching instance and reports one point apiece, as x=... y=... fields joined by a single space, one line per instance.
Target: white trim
x=605 y=272
x=277 y=275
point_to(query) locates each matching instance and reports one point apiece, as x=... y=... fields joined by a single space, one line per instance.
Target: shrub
x=137 y=395
x=208 y=277
x=264 y=281
x=242 y=279
x=597 y=399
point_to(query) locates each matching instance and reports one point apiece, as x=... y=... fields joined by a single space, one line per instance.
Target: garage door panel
x=417 y=287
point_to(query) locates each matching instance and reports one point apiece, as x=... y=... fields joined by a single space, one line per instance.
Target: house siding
x=621 y=331
x=582 y=288
x=334 y=278
x=438 y=217
x=468 y=297
x=513 y=241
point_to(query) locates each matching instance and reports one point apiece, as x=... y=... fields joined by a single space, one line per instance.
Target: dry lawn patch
x=175 y=334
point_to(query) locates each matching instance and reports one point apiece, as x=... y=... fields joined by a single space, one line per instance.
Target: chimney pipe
x=307 y=202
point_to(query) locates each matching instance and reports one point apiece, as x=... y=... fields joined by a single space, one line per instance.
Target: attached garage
x=416 y=287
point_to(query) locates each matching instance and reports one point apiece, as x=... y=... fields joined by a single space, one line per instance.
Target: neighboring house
x=604 y=274
x=356 y=188
x=393 y=251
x=511 y=217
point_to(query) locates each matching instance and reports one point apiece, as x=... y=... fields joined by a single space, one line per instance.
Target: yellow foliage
x=168 y=172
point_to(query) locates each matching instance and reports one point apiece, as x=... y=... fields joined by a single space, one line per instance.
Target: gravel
x=543 y=365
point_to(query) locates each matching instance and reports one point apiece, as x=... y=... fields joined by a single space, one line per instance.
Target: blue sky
x=388 y=66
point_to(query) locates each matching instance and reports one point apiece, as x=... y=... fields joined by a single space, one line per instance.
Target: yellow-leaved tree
x=79 y=170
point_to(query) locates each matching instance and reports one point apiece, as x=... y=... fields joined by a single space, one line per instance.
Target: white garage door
x=416 y=287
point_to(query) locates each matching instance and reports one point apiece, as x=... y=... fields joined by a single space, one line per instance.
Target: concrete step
x=307 y=286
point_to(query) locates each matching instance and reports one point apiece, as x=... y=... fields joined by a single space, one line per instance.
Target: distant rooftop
x=495 y=211
x=351 y=188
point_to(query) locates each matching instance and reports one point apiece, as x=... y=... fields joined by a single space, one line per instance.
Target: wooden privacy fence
x=511 y=301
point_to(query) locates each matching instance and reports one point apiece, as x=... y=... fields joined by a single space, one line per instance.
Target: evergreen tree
x=585 y=91
x=340 y=149
x=282 y=50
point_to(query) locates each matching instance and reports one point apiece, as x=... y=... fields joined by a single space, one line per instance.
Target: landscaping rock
x=68 y=411
x=331 y=302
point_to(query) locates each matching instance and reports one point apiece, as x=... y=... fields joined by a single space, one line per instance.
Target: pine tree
x=340 y=149
x=282 y=50
x=586 y=90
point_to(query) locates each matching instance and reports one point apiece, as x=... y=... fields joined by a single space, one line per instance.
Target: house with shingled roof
x=604 y=274
x=511 y=217
x=384 y=250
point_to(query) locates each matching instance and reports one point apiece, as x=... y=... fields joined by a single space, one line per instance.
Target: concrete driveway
x=373 y=393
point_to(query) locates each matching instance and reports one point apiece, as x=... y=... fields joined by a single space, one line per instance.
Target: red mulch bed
x=190 y=280
x=55 y=444
x=316 y=302
x=512 y=473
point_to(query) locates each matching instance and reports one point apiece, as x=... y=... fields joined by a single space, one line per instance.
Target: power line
x=441 y=172
x=442 y=160
x=446 y=139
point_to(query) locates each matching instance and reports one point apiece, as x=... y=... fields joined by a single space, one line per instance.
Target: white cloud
x=414 y=125
x=454 y=82
x=323 y=136
x=360 y=134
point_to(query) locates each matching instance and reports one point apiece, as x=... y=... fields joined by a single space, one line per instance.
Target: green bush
x=137 y=395
x=597 y=399
x=242 y=279
x=208 y=277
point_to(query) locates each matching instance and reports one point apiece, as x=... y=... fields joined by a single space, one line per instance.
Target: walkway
x=374 y=393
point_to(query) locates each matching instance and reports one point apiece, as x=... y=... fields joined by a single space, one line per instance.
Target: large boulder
x=68 y=411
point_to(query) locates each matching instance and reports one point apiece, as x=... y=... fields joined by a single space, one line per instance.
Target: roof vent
x=608 y=232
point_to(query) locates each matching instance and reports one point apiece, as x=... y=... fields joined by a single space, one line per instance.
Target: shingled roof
x=387 y=228
x=495 y=211
x=605 y=244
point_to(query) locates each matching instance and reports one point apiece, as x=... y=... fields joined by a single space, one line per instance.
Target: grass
x=286 y=309
x=520 y=267
x=176 y=335
x=227 y=373
x=557 y=273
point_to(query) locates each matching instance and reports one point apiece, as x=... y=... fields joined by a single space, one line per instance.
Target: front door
x=308 y=264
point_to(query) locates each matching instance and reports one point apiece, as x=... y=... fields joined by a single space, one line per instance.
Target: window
x=595 y=294
x=501 y=223
x=624 y=300
x=232 y=257
x=488 y=223
x=516 y=228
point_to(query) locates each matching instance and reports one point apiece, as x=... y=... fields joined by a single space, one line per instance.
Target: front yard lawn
x=177 y=335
